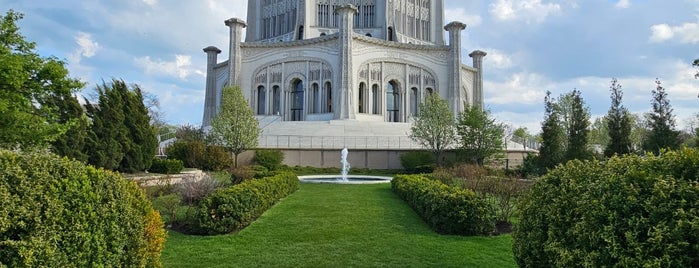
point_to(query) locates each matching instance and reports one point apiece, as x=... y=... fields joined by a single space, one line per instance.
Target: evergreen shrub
x=418 y=161
x=166 y=166
x=633 y=211
x=447 y=210
x=231 y=209
x=271 y=159
x=56 y=212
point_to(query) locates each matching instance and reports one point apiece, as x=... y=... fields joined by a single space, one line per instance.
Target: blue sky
x=533 y=46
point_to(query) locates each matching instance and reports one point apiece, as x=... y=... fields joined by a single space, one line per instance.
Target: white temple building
x=328 y=74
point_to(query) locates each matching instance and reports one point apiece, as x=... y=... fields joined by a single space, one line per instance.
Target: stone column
x=235 y=61
x=454 y=90
x=346 y=109
x=477 y=56
x=210 y=100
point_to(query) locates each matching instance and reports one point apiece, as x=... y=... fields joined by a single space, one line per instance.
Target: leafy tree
x=481 y=136
x=28 y=84
x=661 y=123
x=599 y=135
x=551 y=150
x=189 y=133
x=235 y=125
x=618 y=124
x=433 y=126
x=578 y=129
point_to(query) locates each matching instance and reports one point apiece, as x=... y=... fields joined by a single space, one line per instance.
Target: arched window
x=261 y=100
x=300 y=32
x=315 y=99
x=393 y=102
x=430 y=90
x=390 y=34
x=297 y=101
x=414 y=100
x=362 y=98
x=375 y=99
x=329 y=97
x=276 y=100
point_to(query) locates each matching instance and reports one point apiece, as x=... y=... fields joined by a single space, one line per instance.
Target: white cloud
x=531 y=11
x=181 y=67
x=497 y=59
x=459 y=14
x=520 y=88
x=687 y=33
x=623 y=4
x=86 y=47
x=150 y=2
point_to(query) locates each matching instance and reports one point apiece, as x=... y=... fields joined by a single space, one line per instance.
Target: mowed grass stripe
x=323 y=225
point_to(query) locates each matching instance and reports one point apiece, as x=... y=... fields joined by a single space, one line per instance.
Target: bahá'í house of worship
x=322 y=75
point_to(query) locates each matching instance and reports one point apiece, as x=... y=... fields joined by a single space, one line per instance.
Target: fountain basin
x=351 y=179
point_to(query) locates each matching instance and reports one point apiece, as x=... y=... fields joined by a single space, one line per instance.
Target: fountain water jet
x=345 y=164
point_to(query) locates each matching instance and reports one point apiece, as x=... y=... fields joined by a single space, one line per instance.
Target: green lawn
x=323 y=225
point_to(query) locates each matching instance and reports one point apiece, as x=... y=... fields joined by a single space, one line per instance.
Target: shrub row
x=447 y=210
x=634 y=211
x=166 y=166
x=231 y=209
x=56 y=212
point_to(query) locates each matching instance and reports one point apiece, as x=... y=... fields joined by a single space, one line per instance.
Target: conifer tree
x=551 y=150
x=578 y=129
x=235 y=126
x=661 y=123
x=618 y=124
x=72 y=143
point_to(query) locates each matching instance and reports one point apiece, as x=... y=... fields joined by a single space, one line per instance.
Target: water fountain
x=345 y=164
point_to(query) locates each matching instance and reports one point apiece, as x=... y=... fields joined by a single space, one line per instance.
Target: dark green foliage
x=271 y=159
x=633 y=211
x=189 y=133
x=418 y=161
x=661 y=124
x=57 y=212
x=232 y=209
x=189 y=152
x=481 y=136
x=72 y=143
x=29 y=87
x=447 y=210
x=618 y=124
x=166 y=166
x=551 y=150
x=578 y=129
x=216 y=159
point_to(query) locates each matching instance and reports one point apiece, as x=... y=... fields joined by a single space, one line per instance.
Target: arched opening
x=362 y=98
x=393 y=102
x=375 y=99
x=315 y=99
x=261 y=100
x=276 y=100
x=300 y=32
x=329 y=97
x=414 y=101
x=368 y=35
x=430 y=90
x=297 y=101
x=322 y=34
x=390 y=34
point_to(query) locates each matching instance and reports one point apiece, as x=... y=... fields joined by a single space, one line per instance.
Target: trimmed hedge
x=166 y=166
x=634 y=211
x=231 y=209
x=56 y=212
x=447 y=210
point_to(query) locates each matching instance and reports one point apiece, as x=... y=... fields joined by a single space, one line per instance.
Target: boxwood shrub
x=56 y=212
x=634 y=211
x=231 y=209
x=447 y=210
x=166 y=166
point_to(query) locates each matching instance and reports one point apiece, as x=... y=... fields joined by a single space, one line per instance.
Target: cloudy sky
x=533 y=46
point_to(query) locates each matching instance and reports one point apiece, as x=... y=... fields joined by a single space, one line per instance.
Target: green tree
x=28 y=84
x=72 y=143
x=551 y=150
x=578 y=128
x=433 y=126
x=481 y=135
x=142 y=142
x=661 y=123
x=598 y=135
x=618 y=124
x=235 y=126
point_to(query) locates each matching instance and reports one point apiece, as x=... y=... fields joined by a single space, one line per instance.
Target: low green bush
x=231 y=209
x=56 y=212
x=418 y=161
x=166 y=166
x=633 y=211
x=216 y=158
x=270 y=159
x=447 y=210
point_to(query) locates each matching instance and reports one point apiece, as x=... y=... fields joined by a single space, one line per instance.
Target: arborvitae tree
x=551 y=150
x=142 y=143
x=481 y=135
x=72 y=143
x=28 y=84
x=433 y=126
x=235 y=126
x=618 y=124
x=578 y=129
x=661 y=124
